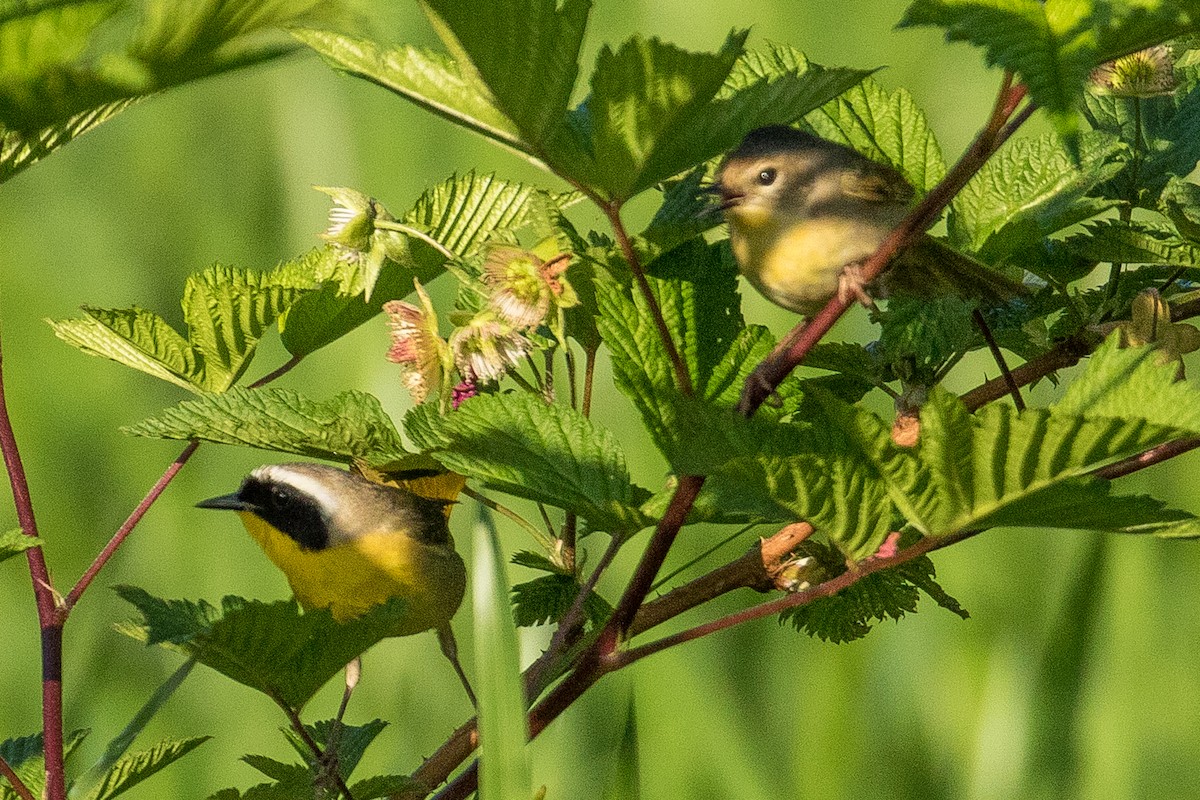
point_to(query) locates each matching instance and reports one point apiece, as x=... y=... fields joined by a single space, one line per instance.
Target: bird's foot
x=852 y=287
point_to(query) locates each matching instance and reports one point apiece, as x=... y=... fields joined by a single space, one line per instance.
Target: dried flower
x=524 y=287
x=416 y=345
x=1146 y=73
x=486 y=347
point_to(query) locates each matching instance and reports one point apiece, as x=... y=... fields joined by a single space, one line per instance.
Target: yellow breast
x=350 y=579
x=798 y=264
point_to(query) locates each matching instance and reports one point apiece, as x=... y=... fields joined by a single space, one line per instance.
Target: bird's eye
x=767 y=176
x=280 y=497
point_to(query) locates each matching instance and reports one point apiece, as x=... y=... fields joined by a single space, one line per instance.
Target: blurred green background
x=1078 y=664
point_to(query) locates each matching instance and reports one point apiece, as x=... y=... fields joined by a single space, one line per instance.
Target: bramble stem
x=50 y=617
x=127 y=527
x=14 y=781
x=682 y=379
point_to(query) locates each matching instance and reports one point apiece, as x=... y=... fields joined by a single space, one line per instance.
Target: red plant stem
x=15 y=782
x=50 y=621
x=127 y=527
x=151 y=497
x=613 y=211
x=826 y=589
x=998 y=357
x=283 y=369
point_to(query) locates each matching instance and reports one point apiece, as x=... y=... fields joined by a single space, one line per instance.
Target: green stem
x=546 y=542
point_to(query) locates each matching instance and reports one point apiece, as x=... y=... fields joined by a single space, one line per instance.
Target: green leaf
x=887 y=127
x=546 y=599
x=45 y=80
x=227 y=311
x=1029 y=189
x=696 y=289
x=271 y=647
x=1159 y=132
x=136 y=338
x=21 y=150
x=778 y=85
x=647 y=96
x=656 y=110
x=549 y=453
x=131 y=770
x=504 y=761
x=349 y=426
x=808 y=473
x=525 y=52
x=62 y=65
x=463 y=213
x=386 y=786
x=180 y=40
x=1130 y=383
x=1180 y=203
x=325 y=314
x=926 y=333
x=1001 y=467
x=1053 y=46
x=432 y=80
x=1134 y=243
x=853 y=612
x=352 y=743
x=15 y=542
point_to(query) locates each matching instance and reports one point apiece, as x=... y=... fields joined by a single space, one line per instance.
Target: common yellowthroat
x=348 y=544
x=804 y=213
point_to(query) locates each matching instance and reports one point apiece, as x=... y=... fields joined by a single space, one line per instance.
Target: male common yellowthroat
x=348 y=544
x=804 y=213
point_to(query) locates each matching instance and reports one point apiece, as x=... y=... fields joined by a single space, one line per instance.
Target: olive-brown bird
x=804 y=214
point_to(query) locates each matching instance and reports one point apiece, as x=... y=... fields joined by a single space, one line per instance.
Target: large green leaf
x=999 y=467
x=1030 y=189
x=64 y=70
x=526 y=447
x=1052 y=46
x=887 y=127
x=695 y=286
x=272 y=647
x=432 y=80
x=526 y=52
x=227 y=311
x=348 y=427
x=808 y=473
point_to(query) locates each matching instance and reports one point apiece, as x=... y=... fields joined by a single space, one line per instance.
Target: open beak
x=226 y=502
x=726 y=199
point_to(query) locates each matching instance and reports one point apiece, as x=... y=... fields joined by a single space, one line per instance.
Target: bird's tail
x=931 y=268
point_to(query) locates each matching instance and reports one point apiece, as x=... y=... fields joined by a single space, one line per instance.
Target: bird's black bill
x=226 y=502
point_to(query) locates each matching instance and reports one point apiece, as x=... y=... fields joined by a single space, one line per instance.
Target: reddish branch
x=49 y=620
